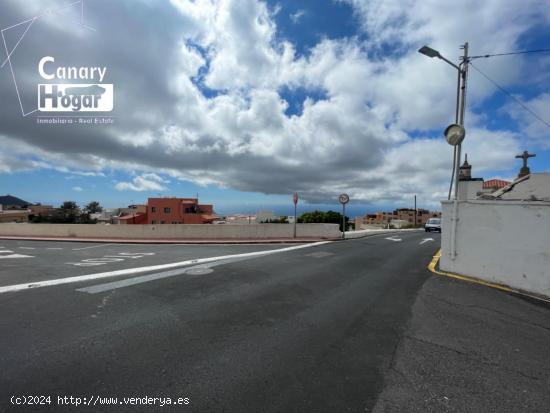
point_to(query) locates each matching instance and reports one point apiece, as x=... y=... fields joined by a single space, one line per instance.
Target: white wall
x=505 y=242
x=469 y=189
x=168 y=231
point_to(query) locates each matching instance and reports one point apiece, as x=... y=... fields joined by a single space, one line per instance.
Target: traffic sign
x=344 y=199
x=295 y=198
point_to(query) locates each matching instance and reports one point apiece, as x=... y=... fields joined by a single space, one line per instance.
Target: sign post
x=343 y=199
x=295 y=200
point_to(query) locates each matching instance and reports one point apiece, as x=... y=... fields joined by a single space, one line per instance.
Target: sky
x=244 y=102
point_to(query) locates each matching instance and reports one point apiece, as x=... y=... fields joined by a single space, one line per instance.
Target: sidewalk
x=470 y=348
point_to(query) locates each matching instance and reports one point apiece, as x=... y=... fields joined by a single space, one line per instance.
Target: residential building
x=46 y=211
x=13 y=215
x=178 y=211
x=402 y=216
x=128 y=219
x=493 y=185
x=240 y=219
x=107 y=215
x=265 y=216
x=13 y=209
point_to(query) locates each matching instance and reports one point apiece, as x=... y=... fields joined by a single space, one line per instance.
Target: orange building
x=179 y=211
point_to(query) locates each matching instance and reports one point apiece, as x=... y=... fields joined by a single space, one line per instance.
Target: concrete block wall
x=169 y=231
x=504 y=242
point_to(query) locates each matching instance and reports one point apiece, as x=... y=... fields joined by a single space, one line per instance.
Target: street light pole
x=460 y=111
x=462 y=69
x=463 y=77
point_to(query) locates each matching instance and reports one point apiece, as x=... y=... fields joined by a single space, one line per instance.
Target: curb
x=433 y=267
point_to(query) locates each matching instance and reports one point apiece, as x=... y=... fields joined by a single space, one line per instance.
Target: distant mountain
x=9 y=200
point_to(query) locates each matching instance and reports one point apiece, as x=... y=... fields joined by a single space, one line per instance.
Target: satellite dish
x=454 y=134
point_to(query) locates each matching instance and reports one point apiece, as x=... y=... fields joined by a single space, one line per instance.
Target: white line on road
x=394 y=239
x=93 y=246
x=14 y=256
x=425 y=240
x=95 y=289
x=130 y=271
x=27 y=248
x=57 y=248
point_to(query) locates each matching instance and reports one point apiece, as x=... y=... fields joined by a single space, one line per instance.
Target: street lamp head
x=454 y=134
x=428 y=51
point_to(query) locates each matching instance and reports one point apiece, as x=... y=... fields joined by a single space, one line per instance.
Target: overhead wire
x=509 y=53
x=519 y=102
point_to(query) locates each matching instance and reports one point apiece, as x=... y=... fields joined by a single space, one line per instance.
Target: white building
x=265 y=216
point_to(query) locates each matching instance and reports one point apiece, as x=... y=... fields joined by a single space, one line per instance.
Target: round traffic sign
x=295 y=198
x=343 y=198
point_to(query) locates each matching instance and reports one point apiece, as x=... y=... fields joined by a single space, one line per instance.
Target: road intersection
x=310 y=327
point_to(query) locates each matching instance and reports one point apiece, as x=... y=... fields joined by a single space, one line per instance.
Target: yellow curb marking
x=432 y=267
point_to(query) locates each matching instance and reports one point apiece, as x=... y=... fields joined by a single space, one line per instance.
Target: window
x=153 y=209
x=162 y=222
x=174 y=222
x=153 y=222
x=167 y=210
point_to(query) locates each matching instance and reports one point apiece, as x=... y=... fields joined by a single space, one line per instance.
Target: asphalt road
x=309 y=329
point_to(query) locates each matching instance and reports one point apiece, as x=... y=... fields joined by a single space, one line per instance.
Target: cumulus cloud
x=198 y=96
x=141 y=183
x=78 y=188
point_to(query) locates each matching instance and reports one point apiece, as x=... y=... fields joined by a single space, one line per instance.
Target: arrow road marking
x=425 y=240
x=394 y=239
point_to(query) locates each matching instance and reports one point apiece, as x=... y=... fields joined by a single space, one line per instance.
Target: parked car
x=433 y=224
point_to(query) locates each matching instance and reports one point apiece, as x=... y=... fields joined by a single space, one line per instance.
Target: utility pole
x=455 y=133
x=463 y=78
x=295 y=201
x=415 y=213
x=461 y=108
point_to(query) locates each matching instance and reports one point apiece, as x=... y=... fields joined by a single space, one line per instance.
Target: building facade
x=405 y=216
x=179 y=211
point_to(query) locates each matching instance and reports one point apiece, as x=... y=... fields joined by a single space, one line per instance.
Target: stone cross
x=525 y=169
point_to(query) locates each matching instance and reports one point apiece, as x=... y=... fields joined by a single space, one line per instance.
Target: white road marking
x=27 y=248
x=130 y=271
x=394 y=239
x=54 y=248
x=201 y=269
x=14 y=256
x=107 y=259
x=93 y=246
x=425 y=240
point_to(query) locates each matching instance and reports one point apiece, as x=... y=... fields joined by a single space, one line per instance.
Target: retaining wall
x=169 y=231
